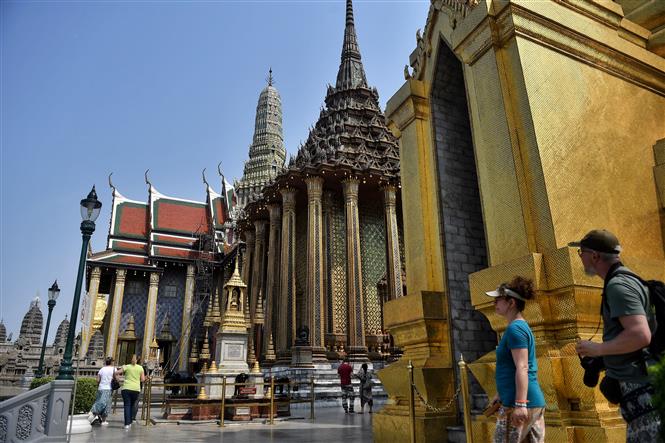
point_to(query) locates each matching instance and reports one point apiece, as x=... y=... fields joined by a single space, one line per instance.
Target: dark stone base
x=301 y=357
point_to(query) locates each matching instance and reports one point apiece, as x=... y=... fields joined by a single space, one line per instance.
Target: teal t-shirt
x=624 y=295
x=518 y=335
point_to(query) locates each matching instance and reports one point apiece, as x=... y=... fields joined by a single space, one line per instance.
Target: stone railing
x=37 y=415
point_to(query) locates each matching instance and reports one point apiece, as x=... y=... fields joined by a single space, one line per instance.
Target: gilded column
x=272 y=287
x=186 y=328
x=246 y=272
x=354 y=275
x=315 y=291
x=394 y=260
x=286 y=330
x=258 y=265
x=150 y=315
x=116 y=311
x=328 y=198
x=93 y=290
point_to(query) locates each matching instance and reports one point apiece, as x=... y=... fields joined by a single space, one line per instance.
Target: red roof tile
x=181 y=217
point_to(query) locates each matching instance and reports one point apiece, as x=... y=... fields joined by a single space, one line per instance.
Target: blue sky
x=89 y=88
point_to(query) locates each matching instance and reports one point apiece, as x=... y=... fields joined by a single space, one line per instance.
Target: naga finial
x=203 y=173
x=219 y=170
x=111 y=183
x=147 y=180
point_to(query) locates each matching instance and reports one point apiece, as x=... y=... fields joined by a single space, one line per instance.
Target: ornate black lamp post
x=90 y=208
x=53 y=293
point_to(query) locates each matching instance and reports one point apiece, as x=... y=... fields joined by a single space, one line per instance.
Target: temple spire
x=270 y=77
x=351 y=72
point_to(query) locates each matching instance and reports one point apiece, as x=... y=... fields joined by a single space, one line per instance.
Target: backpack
x=657 y=303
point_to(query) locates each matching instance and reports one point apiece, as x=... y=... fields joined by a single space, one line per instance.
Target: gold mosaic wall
x=338 y=264
x=373 y=257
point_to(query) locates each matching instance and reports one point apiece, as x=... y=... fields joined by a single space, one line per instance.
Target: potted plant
x=86 y=392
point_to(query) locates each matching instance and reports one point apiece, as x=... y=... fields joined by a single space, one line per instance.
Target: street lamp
x=90 y=208
x=53 y=293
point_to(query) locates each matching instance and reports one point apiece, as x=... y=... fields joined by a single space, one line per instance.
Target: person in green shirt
x=134 y=376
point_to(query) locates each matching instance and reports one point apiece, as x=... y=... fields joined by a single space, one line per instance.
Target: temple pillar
x=395 y=283
x=89 y=323
x=315 y=269
x=286 y=326
x=328 y=303
x=257 y=265
x=150 y=315
x=116 y=312
x=246 y=273
x=356 y=307
x=258 y=279
x=272 y=286
x=186 y=329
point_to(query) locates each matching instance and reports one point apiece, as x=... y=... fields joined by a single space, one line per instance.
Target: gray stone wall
x=462 y=231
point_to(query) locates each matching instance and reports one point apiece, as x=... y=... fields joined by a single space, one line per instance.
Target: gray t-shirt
x=624 y=295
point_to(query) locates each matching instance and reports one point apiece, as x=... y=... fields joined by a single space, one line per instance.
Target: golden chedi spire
x=194 y=354
x=259 y=316
x=234 y=314
x=251 y=358
x=270 y=352
x=216 y=315
x=205 y=350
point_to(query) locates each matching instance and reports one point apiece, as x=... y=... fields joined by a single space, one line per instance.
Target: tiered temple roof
x=351 y=132
x=350 y=138
x=61 y=333
x=164 y=228
x=31 y=326
x=3 y=331
x=267 y=153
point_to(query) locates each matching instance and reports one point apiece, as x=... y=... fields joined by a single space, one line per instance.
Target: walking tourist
x=344 y=371
x=365 y=378
x=102 y=406
x=521 y=414
x=134 y=376
x=625 y=308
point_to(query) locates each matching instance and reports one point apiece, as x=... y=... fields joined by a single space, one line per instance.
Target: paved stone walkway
x=331 y=425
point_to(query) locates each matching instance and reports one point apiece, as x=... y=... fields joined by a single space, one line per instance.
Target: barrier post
x=465 y=400
x=143 y=401
x=412 y=407
x=272 y=400
x=223 y=407
x=147 y=408
x=311 y=391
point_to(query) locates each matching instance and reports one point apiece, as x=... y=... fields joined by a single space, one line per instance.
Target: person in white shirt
x=102 y=407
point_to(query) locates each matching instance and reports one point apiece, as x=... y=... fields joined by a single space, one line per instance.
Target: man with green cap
x=625 y=309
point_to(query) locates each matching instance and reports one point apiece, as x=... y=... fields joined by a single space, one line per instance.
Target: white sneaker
x=91 y=417
x=126 y=427
x=105 y=423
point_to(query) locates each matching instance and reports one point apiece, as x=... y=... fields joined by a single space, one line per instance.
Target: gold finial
x=270 y=352
x=213 y=367
x=205 y=351
x=251 y=358
x=202 y=394
x=256 y=369
x=258 y=315
x=207 y=320
x=216 y=315
x=194 y=354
